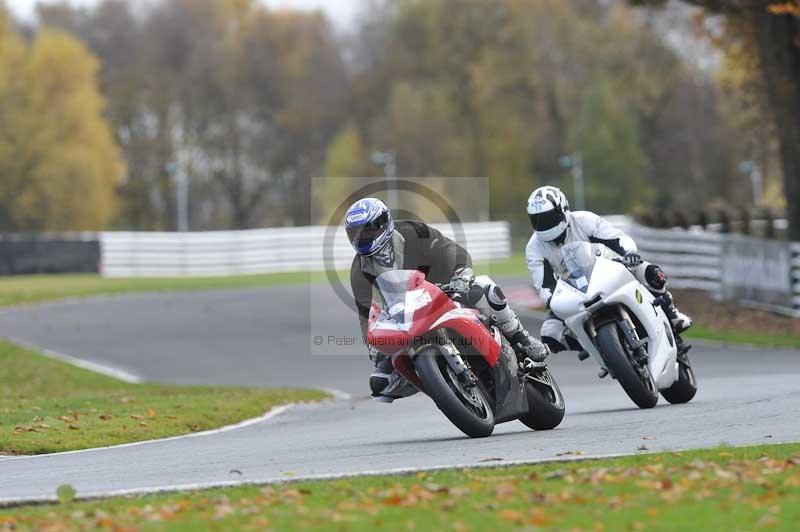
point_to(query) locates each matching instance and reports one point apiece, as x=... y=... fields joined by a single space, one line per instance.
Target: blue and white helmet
x=548 y=208
x=369 y=225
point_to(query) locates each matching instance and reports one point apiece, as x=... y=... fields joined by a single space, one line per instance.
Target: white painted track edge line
x=272 y=412
x=103 y=369
x=10 y=502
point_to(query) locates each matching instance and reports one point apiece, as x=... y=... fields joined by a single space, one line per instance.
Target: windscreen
x=579 y=260
x=392 y=287
x=399 y=303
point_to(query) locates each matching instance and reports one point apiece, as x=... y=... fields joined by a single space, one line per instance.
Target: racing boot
x=385 y=383
x=485 y=296
x=528 y=348
x=680 y=321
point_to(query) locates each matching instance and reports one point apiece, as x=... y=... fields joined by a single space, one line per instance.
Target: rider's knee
x=552 y=334
x=484 y=287
x=655 y=277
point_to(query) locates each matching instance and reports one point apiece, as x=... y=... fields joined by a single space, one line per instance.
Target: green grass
x=48 y=406
x=718 y=489
x=744 y=337
x=35 y=288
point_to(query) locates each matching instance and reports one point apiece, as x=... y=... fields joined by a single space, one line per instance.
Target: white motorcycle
x=617 y=321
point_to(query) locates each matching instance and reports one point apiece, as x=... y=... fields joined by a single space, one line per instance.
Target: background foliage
x=251 y=103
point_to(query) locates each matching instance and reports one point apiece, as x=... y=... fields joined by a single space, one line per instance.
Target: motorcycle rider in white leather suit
x=554 y=225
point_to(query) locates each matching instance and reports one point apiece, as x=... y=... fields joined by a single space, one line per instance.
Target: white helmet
x=548 y=208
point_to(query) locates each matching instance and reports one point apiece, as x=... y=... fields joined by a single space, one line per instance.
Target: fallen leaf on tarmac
x=234 y=472
x=491 y=460
x=648 y=437
x=643 y=448
x=573 y=453
x=65 y=493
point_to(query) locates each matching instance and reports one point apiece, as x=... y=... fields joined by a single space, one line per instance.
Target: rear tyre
x=634 y=378
x=546 y=410
x=683 y=389
x=465 y=406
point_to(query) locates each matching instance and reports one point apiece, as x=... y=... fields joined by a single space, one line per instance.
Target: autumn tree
x=241 y=98
x=59 y=165
x=768 y=33
x=505 y=89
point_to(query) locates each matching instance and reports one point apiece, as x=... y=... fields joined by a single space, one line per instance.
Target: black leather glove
x=462 y=279
x=632 y=259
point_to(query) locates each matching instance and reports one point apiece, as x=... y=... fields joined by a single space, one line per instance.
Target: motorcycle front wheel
x=465 y=405
x=634 y=378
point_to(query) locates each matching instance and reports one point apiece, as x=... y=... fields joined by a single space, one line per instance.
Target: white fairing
x=617 y=286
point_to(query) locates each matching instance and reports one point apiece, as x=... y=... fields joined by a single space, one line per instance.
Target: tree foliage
x=59 y=165
x=242 y=99
x=505 y=89
x=762 y=41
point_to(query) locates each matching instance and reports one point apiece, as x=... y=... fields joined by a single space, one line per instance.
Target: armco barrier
x=22 y=254
x=284 y=249
x=750 y=270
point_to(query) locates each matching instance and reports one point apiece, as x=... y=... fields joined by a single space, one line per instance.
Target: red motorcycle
x=465 y=365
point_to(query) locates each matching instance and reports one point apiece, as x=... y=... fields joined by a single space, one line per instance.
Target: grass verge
x=35 y=288
x=49 y=406
x=761 y=339
x=718 y=489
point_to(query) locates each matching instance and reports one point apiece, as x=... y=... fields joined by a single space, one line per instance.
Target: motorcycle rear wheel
x=636 y=381
x=546 y=410
x=683 y=389
x=467 y=408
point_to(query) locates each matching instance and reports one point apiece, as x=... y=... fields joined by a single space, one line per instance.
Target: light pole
x=753 y=170
x=575 y=163
x=181 y=181
x=388 y=160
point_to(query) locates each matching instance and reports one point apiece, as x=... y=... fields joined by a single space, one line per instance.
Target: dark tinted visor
x=363 y=235
x=546 y=220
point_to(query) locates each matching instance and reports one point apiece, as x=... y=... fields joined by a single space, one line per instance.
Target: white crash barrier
x=273 y=250
x=756 y=271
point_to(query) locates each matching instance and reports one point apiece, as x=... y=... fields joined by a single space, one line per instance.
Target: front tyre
x=464 y=405
x=634 y=378
x=683 y=389
x=546 y=404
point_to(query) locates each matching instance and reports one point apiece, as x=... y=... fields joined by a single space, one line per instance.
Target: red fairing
x=441 y=312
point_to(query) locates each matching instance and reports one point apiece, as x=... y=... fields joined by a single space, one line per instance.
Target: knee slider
x=496 y=298
x=655 y=277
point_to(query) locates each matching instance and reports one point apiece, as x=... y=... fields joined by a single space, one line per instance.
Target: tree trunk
x=778 y=41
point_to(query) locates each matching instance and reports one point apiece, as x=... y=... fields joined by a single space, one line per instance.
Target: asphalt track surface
x=266 y=337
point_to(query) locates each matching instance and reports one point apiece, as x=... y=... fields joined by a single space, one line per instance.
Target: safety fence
x=24 y=254
x=755 y=271
x=284 y=249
